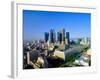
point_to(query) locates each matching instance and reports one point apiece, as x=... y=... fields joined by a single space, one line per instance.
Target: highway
x=74 y=50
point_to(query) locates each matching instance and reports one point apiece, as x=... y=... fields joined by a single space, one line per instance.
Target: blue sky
x=35 y=23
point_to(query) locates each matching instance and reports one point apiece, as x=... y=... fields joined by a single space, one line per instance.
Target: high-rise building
x=46 y=36
x=63 y=35
x=52 y=36
x=59 y=37
x=67 y=38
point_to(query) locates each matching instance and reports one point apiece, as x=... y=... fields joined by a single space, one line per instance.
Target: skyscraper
x=63 y=35
x=59 y=37
x=46 y=36
x=67 y=38
x=52 y=36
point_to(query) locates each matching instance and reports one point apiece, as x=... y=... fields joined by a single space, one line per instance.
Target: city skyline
x=36 y=23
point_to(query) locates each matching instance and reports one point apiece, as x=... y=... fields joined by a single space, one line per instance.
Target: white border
x=17 y=63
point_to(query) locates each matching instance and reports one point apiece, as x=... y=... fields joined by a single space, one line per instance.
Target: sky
x=35 y=23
